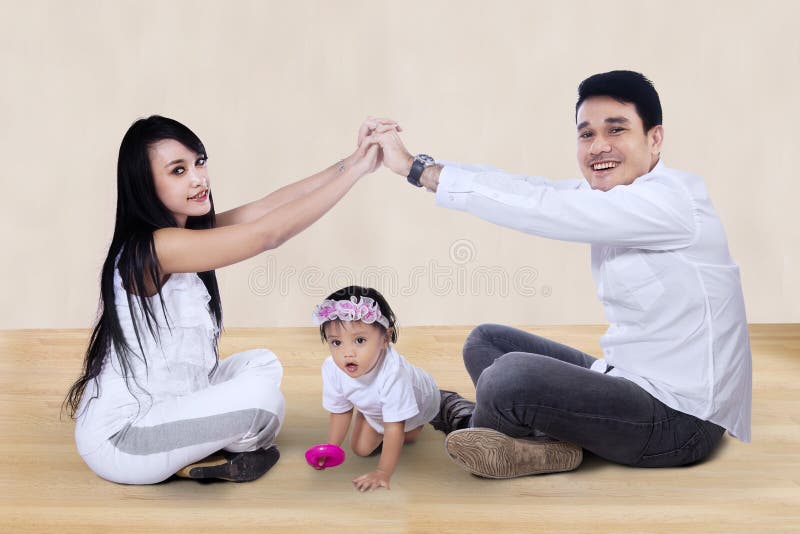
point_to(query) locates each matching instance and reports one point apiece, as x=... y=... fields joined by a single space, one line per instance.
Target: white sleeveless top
x=176 y=362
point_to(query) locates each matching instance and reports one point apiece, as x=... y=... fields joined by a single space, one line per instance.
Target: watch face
x=426 y=160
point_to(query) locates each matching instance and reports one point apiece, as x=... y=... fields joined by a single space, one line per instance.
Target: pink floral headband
x=364 y=309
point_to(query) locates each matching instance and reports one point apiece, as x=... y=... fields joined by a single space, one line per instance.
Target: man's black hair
x=627 y=87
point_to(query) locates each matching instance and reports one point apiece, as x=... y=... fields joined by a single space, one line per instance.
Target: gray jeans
x=525 y=383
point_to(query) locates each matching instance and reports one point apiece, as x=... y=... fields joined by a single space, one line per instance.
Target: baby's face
x=356 y=347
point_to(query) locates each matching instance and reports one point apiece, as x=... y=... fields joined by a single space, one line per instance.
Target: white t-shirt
x=393 y=391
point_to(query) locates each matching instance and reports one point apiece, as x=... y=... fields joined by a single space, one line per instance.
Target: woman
x=153 y=396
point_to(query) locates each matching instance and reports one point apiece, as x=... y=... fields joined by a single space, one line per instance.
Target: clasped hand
x=379 y=144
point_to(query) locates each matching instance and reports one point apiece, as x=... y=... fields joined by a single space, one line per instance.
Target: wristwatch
x=421 y=162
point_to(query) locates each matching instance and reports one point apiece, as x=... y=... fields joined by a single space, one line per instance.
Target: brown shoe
x=491 y=454
x=233 y=466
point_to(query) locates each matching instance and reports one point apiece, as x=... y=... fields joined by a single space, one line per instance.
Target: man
x=676 y=366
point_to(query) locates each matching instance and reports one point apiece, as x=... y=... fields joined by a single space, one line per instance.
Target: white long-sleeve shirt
x=660 y=261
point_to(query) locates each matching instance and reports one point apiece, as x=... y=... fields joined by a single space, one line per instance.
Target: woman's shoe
x=233 y=466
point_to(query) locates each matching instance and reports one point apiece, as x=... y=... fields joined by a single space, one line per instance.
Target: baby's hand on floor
x=370 y=481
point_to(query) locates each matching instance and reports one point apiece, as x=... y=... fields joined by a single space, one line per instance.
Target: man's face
x=613 y=148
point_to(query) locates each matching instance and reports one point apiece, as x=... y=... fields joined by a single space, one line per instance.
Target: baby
x=394 y=399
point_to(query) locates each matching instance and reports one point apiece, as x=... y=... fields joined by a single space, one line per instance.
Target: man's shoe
x=233 y=466
x=491 y=454
x=455 y=412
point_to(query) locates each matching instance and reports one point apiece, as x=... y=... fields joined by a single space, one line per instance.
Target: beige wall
x=276 y=90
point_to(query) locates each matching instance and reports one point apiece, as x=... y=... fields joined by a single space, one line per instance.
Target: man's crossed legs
x=538 y=404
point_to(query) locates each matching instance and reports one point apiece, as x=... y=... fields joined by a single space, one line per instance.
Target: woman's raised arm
x=253 y=210
x=182 y=250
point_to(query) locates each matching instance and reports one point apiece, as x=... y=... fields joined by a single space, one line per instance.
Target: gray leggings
x=241 y=410
x=525 y=383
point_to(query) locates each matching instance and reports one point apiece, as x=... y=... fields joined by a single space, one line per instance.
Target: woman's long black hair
x=139 y=214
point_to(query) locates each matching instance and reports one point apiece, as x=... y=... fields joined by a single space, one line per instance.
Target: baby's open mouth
x=351 y=367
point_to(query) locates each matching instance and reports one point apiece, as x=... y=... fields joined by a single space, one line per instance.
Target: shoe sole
x=234 y=467
x=491 y=454
x=211 y=461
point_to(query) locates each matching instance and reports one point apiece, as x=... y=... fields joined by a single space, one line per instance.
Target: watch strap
x=416 y=172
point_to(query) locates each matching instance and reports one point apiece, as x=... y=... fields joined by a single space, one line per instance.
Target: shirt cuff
x=337 y=408
x=396 y=417
x=599 y=366
x=455 y=185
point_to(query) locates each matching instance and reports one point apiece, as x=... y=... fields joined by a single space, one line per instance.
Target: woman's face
x=181 y=179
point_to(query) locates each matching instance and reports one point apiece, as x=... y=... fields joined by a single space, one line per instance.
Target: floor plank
x=47 y=488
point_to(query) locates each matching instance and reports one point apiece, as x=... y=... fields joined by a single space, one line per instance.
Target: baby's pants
x=242 y=410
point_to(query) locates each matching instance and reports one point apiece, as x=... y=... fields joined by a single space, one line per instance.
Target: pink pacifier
x=333 y=454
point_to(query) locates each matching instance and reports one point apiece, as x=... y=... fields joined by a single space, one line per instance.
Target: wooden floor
x=46 y=487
